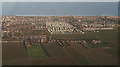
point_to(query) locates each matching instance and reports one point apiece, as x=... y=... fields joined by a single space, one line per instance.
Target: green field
x=107 y=36
x=36 y=51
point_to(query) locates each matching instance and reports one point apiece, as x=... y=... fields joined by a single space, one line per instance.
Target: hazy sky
x=59 y=0
x=60 y=8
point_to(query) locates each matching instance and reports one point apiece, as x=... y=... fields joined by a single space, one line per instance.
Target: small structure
x=28 y=43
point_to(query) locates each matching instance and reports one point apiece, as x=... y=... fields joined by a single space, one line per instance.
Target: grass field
x=36 y=52
x=108 y=36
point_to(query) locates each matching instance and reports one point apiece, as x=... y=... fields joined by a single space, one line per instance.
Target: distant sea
x=60 y=8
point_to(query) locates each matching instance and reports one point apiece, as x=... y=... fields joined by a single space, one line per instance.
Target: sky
x=60 y=8
x=59 y=0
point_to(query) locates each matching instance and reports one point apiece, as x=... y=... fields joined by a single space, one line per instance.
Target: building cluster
x=61 y=27
x=87 y=43
x=19 y=27
x=27 y=27
x=93 y=22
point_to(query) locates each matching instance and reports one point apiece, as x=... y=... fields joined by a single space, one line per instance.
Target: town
x=22 y=27
x=60 y=38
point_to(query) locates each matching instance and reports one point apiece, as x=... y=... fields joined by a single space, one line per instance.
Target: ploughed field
x=67 y=49
x=75 y=54
x=13 y=54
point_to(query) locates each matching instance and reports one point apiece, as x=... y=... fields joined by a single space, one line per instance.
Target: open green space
x=107 y=36
x=36 y=52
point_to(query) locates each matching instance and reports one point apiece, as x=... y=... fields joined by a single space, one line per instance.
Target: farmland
x=67 y=49
x=14 y=53
x=54 y=50
x=36 y=52
x=108 y=36
x=60 y=40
